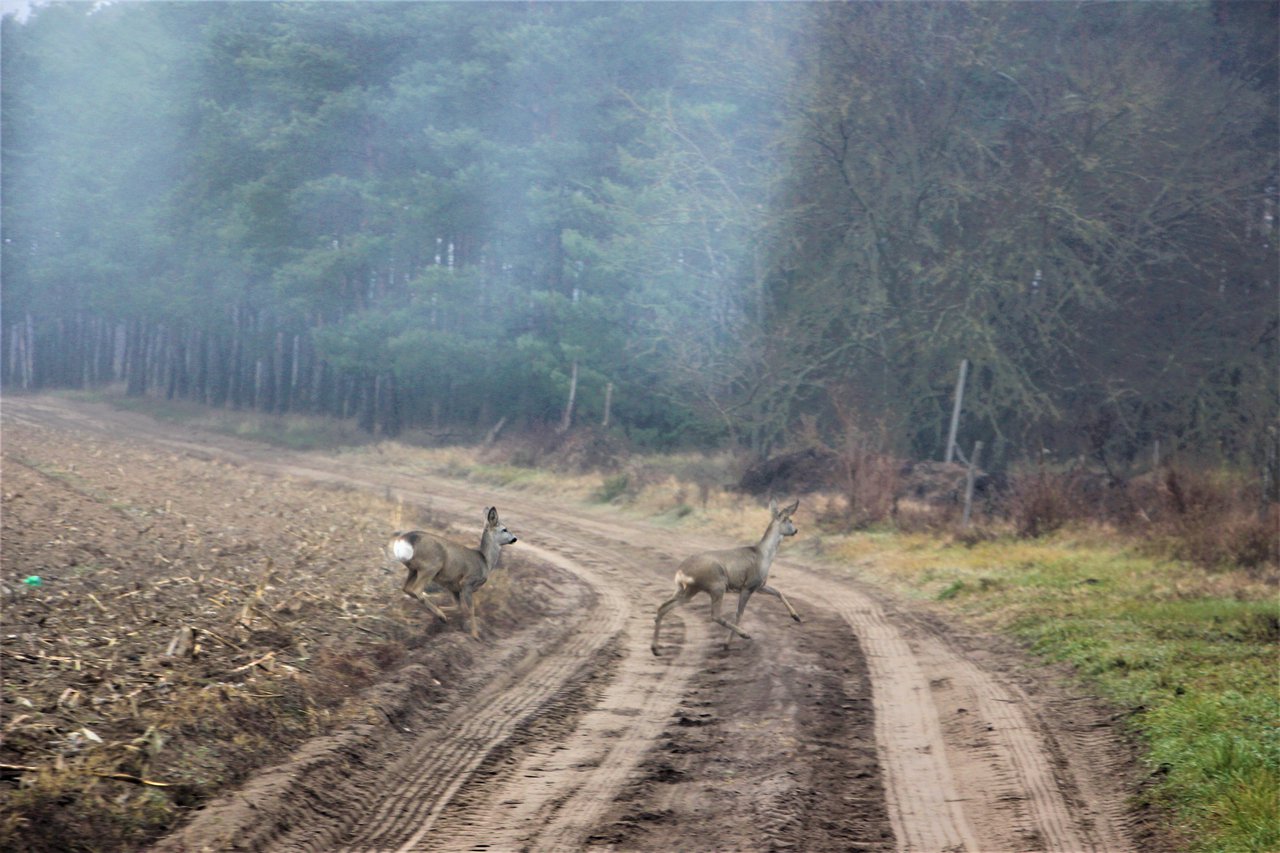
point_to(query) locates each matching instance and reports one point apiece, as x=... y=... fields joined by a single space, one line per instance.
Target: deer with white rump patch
x=742 y=570
x=457 y=568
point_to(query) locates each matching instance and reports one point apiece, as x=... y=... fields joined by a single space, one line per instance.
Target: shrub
x=1041 y=502
x=612 y=488
x=1213 y=521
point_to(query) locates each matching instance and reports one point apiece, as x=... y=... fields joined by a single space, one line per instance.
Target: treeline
x=703 y=223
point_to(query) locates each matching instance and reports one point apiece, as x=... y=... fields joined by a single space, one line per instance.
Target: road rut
x=870 y=727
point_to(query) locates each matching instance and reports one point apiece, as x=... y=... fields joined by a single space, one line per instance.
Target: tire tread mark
x=432 y=775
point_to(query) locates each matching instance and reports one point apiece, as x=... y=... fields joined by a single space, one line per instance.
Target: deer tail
x=402 y=547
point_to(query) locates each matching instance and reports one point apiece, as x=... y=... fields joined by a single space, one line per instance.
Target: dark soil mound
x=802 y=472
x=941 y=483
x=586 y=450
x=816 y=470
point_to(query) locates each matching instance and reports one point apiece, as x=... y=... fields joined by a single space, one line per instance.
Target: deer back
x=444 y=561
x=734 y=567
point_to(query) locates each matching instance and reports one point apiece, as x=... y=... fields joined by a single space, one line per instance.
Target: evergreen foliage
x=744 y=218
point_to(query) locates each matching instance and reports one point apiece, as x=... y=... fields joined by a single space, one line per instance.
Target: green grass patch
x=612 y=488
x=1194 y=655
x=508 y=476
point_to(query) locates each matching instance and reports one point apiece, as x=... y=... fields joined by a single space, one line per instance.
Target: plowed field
x=191 y=568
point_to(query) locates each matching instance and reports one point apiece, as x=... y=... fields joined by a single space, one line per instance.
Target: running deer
x=458 y=569
x=742 y=570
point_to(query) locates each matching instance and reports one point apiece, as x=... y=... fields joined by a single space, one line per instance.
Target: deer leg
x=743 y=597
x=771 y=591
x=428 y=604
x=468 y=600
x=413 y=587
x=682 y=595
x=717 y=596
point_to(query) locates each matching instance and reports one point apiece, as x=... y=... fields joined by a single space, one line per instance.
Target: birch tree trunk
x=567 y=420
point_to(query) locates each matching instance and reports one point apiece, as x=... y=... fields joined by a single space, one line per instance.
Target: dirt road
x=867 y=727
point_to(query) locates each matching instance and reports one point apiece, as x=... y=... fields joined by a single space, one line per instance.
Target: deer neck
x=768 y=547
x=490 y=550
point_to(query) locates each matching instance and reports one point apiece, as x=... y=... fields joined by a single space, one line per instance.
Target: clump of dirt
x=817 y=469
x=578 y=451
x=589 y=450
x=174 y=623
x=806 y=471
x=943 y=483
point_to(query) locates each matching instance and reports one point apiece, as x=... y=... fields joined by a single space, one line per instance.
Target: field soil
x=216 y=630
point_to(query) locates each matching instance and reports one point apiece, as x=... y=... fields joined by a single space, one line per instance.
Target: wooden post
x=955 y=411
x=968 y=484
x=608 y=403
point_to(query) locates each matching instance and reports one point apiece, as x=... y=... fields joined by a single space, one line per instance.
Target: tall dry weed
x=1215 y=521
x=1040 y=502
x=871 y=485
x=1204 y=516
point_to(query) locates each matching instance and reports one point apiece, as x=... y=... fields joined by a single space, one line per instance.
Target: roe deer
x=742 y=570
x=458 y=569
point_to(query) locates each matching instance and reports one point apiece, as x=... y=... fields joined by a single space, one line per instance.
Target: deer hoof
x=656 y=653
x=796 y=616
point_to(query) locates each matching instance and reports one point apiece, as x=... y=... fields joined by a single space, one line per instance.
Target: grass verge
x=1193 y=655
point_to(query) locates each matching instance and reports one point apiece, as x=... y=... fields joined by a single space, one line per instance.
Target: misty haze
x=986 y=296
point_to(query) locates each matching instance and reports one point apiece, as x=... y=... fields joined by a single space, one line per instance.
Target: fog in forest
x=758 y=226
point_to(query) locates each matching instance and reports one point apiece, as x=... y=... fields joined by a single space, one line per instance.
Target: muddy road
x=870 y=726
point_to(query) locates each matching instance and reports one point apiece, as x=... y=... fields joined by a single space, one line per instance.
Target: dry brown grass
x=1205 y=517
x=1039 y=502
x=1214 y=520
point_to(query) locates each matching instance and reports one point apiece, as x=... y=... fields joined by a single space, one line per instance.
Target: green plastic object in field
x=32 y=580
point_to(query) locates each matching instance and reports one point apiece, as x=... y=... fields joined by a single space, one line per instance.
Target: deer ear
x=795 y=506
x=773 y=506
x=492 y=515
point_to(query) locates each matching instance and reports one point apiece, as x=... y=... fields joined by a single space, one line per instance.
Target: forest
x=695 y=224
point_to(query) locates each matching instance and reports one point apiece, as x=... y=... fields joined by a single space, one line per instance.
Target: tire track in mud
x=773 y=749
x=552 y=798
x=926 y=809
x=430 y=776
x=987 y=784
x=554 y=814
x=312 y=801
x=968 y=761
x=437 y=768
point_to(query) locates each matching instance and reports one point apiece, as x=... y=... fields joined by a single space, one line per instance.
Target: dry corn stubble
x=193 y=622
